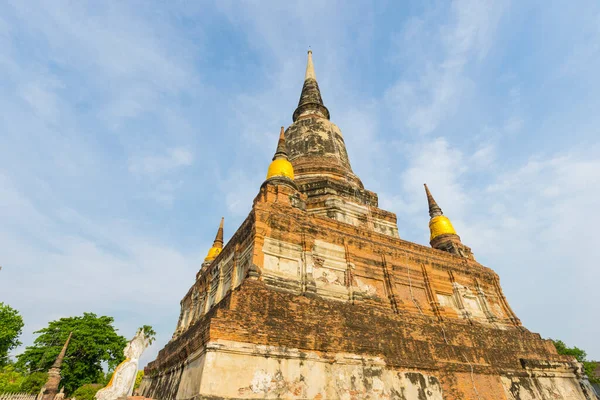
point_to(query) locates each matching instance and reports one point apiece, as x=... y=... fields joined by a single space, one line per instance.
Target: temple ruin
x=316 y=296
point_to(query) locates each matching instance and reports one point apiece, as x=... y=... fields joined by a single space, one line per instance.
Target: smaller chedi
x=217 y=246
x=123 y=379
x=281 y=167
x=50 y=390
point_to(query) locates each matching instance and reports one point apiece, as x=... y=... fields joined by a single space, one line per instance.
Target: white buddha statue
x=123 y=379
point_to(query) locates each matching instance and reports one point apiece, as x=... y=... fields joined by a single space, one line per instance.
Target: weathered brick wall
x=258 y=314
x=403 y=274
x=467 y=359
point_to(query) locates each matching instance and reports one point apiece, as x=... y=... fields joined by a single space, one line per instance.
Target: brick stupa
x=315 y=296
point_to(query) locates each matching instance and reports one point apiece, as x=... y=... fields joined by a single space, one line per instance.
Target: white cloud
x=584 y=43
x=87 y=265
x=484 y=156
x=87 y=95
x=440 y=84
x=537 y=234
x=513 y=125
x=239 y=190
x=161 y=164
x=533 y=225
x=161 y=170
x=41 y=98
x=441 y=166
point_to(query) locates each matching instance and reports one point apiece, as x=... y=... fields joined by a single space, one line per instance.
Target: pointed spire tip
x=310 y=102
x=434 y=209
x=310 y=68
x=219 y=237
x=281 y=152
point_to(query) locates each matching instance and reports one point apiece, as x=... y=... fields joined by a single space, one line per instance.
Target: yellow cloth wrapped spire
x=439 y=223
x=217 y=246
x=281 y=166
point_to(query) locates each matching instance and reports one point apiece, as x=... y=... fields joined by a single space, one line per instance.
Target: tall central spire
x=310 y=102
x=315 y=145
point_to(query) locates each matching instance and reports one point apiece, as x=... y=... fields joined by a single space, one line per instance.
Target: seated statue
x=123 y=379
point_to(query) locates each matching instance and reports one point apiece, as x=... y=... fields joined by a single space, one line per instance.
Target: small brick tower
x=315 y=296
x=51 y=386
x=443 y=236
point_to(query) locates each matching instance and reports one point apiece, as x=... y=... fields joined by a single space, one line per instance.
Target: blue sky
x=129 y=128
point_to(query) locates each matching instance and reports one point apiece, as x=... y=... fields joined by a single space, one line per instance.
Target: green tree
x=94 y=341
x=10 y=379
x=149 y=333
x=138 y=379
x=87 y=391
x=580 y=355
x=11 y=326
x=34 y=382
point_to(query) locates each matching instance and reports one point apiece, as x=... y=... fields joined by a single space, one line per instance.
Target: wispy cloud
x=82 y=88
x=160 y=164
x=102 y=266
x=530 y=223
x=440 y=80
